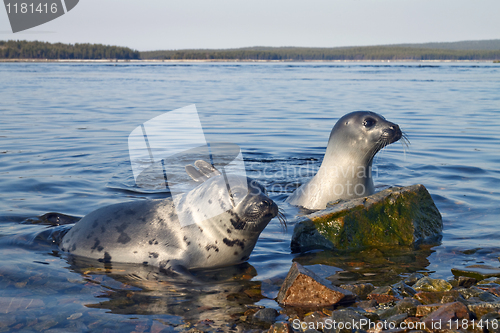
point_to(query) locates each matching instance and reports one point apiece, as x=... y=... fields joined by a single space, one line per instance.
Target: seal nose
x=397 y=132
x=270 y=205
x=392 y=132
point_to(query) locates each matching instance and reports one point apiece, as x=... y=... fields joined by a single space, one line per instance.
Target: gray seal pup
x=345 y=172
x=223 y=230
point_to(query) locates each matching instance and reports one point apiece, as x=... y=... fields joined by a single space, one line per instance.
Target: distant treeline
x=467 y=50
x=41 y=50
x=304 y=54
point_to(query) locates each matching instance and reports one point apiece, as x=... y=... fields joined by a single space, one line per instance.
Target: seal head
x=345 y=172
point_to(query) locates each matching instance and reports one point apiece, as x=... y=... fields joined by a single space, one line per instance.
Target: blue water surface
x=63 y=148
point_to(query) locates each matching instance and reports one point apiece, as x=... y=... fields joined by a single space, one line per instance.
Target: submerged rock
x=361 y=289
x=385 y=294
x=303 y=288
x=479 y=272
x=266 y=315
x=413 y=278
x=400 y=216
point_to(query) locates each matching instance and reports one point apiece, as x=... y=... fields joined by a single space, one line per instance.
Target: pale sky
x=181 y=24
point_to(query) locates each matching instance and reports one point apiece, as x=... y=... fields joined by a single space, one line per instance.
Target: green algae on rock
x=397 y=216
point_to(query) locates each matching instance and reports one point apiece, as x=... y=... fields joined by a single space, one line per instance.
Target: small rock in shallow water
x=385 y=295
x=413 y=278
x=361 y=290
x=404 y=289
x=479 y=272
x=428 y=284
x=490 y=281
x=268 y=315
x=400 y=216
x=303 y=288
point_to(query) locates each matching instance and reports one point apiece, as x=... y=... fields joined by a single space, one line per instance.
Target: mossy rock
x=398 y=216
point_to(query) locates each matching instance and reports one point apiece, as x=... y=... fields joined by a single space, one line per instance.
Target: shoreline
x=230 y=60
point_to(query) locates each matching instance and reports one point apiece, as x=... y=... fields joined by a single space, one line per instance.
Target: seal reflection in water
x=346 y=169
x=150 y=231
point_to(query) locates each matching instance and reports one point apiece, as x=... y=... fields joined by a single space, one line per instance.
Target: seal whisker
x=405 y=140
x=282 y=218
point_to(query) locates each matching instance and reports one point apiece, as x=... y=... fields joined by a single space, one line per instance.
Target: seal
x=345 y=172
x=224 y=225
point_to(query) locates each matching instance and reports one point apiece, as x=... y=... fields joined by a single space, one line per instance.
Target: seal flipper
x=175 y=268
x=206 y=171
x=195 y=174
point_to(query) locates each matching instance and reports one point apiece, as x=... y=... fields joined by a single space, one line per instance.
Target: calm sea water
x=63 y=148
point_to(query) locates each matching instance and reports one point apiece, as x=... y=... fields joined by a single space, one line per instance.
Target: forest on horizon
x=465 y=50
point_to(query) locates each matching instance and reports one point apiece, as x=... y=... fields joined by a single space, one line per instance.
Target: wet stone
x=479 y=272
x=491 y=322
x=413 y=278
x=425 y=310
x=465 y=281
x=406 y=306
x=492 y=288
x=280 y=328
x=361 y=290
x=267 y=315
x=397 y=319
x=474 y=291
x=490 y=281
x=385 y=294
x=315 y=319
x=426 y=297
x=404 y=289
x=428 y=284
x=343 y=317
x=445 y=313
x=303 y=288
x=398 y=216
x=481 y=309
x=366 y=304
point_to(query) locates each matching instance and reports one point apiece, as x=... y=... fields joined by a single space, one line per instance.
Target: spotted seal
x=345 y=172
x=224 y=225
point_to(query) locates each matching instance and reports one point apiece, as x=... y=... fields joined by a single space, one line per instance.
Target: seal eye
x=368 y=122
